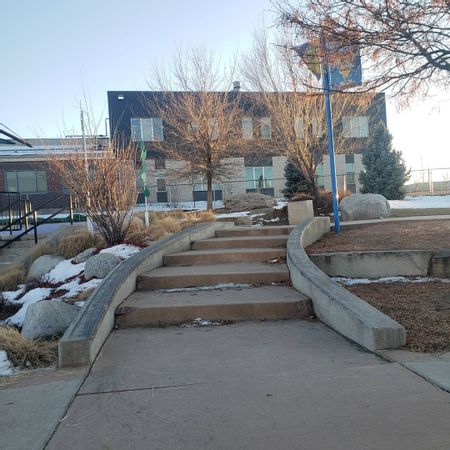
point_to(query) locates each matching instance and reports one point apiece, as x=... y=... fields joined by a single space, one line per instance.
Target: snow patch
x=6 y=367
x=356 y=281
x=220 y=286
x=33 y=296
x=233 y=214
x=11 y=296
x=420 y=202
x=123 y=251
x=64 y=271
x=199 y=322
x=75 y=287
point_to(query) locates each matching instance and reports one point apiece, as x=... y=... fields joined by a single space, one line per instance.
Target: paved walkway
x=254 y=385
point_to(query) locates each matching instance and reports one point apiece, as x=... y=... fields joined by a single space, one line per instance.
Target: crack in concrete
x=151 y=388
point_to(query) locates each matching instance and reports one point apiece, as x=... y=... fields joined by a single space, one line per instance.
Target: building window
x=350 y=164
x=147 y=130
x=213 y=128
x=266 y=128
x=319 y=176
x=247 y=128
x=161 y=185
x=200 y=184
x=355 y=127
x=258 y=177
x=160 y=163
x=26 y=181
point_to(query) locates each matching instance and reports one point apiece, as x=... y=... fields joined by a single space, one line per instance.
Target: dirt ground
x=422 y=308
x=411 y=235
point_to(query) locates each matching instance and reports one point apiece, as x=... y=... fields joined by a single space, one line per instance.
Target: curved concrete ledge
x=340 y=309
x=84 y=338
x=374 y=264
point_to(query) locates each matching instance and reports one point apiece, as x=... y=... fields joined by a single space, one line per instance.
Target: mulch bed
x=410 y=235
x=7 y=310
x=422 y=308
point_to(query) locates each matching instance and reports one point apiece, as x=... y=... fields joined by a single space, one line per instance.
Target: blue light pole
x=326 y=93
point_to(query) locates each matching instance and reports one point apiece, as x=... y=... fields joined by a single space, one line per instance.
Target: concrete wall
x=84 y=338
x=340 y=309
x=375 y=264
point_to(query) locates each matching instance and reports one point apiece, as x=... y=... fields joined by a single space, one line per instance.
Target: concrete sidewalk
x=254 y=385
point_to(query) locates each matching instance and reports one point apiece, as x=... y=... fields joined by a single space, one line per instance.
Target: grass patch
x=12 y=277
x=25 y=353
x=71 y=246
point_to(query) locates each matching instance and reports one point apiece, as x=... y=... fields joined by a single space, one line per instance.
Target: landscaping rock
x=43 y=265
x=48 y=318
x=84 y=256
x=243 y=220
x=100 y=265
x=249 y=202
x=364 y=207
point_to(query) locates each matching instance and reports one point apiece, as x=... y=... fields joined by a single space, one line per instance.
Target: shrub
x=325 y=206
x=26 y=353
x=206 y=216
x=71 y=246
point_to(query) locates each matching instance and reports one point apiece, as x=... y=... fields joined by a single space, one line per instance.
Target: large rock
x=100 y=265
x=48 y=318
x=249 y=202
x=364 y=207
x=84 y=256
x=43 y=265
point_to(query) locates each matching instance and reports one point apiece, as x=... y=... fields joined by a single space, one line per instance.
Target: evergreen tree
x=295 y=181
x=385 y=171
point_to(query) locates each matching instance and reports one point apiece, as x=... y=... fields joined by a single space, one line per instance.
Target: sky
x=56 y=52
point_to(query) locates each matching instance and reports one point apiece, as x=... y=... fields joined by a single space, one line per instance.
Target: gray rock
x=100 y=265
x=42 y=265
x=364 y=207
x=249 y=202
x=243 y=220
x=48 y=318
x=84 y=256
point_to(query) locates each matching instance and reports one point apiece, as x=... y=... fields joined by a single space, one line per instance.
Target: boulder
x=243 y=220
x=100 y=265
x=48 y=318
x=364 y=207
x=249 y=202
x=43 y=265
x=84 y=256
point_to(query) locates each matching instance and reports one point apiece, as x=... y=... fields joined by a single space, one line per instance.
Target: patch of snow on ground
x=355 y=281
x=6 y=368
x=280 y=204
x=420 y=202
x=33 y=296
x=186 y=206
x=123 y=251
x=11 y=296
x=63 y=271
x=220 y=286
x=199 y=322
x=75 y=287
x=233 y=214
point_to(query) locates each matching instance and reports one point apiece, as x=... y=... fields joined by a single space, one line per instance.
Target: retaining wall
x=334 y=305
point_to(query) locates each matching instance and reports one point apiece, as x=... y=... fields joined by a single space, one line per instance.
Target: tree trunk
x=316 y=194
x=210 y=191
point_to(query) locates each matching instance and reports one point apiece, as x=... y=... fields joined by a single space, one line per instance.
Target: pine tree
x=295 y=181
x=385 y=171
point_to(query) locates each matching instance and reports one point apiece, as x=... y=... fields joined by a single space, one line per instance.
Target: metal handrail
x=34 y=213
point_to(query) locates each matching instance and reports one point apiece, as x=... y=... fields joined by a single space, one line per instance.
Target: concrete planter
x=299 y=212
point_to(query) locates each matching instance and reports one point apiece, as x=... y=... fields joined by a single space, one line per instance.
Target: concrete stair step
x=192 y=257
x=266 y=302
x=255 y=231
x=14 y=252
x=168 y=277
x=242 y=242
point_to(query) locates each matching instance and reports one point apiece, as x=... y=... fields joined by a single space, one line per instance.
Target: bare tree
x=405 y=44
x=297 y=112
x=103 y=181
x=201 y=117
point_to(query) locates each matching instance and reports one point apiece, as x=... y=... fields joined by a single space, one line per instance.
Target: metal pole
x=35 y=217
x=326 y=92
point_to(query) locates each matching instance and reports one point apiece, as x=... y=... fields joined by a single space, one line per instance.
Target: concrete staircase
x=15 y=250
x=242 y=255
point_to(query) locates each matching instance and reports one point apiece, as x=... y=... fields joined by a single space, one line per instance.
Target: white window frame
x=247 y=128
x=146 y=127
x=355 y=127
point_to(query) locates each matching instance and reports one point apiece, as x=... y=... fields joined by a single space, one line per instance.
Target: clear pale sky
x=52 y=50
